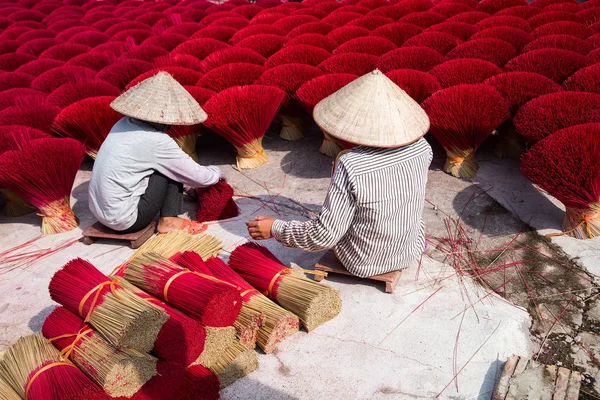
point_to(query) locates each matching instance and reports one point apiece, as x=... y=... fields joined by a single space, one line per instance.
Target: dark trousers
x=163 y=195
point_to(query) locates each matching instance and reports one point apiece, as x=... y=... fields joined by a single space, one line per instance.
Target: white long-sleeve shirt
x=372 y=215
x=132 y=151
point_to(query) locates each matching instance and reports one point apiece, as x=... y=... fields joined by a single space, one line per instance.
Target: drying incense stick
x=201 y=346
x=278 y=323
x=235 y=363
x=6 y=392
x=123 y=318
x=312 y=302
x=206 y=299
x=118 y=372
x=248 y=321
x=35 y=371
x=173 y=242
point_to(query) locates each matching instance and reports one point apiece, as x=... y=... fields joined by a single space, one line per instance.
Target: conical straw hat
x=372 y=111
x=160 y=99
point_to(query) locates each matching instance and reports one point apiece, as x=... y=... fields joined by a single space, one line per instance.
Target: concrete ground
x=488 y=287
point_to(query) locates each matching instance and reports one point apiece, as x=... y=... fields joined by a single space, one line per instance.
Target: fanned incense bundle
x=513 y=22
x=289 y=77
x=494 y=6
x=374 y=45
x=230 y=75
x=315 y=90
x=220 y=33
x=248 y=321
x=171 y=243
x=419 y=58
x=200 y=48
x=185 y=76
x=344 y=33
x=70 y=93
x=521 y=11
x=471 y=17
x=253 y=30
x=300 y=53
x=585 y=80
x=398 y=33
x=561 y=41
x=418 y=84
x=496 y=51
x=556 y=64
x=278 y=323
x=216 y=203
x=121 y=72
x=514 y=36
x=350 y=63
x=34 y=115
x=117 y=372
x=232 y=55
x=39 y=66
x=6 y=392
x=463 y=31
x=56 y=77
x=242 y=115
x=464 y=71
x=43 y=174
x=183 y=340
x=438 y=41
x=462 y=117
x=123 y=318
x=174 y=382
x=314 y=39
x=211 y=302
x=312 y=302
x=35 y=370
x=264 y=44
x=565 y=164
x=74 y=121
x=235 y=363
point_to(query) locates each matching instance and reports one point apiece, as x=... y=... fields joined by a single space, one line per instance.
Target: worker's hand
x=260 y=228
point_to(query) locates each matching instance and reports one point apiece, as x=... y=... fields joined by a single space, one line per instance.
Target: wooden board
x=523 y=378
x=329 y=263
x=135 y=239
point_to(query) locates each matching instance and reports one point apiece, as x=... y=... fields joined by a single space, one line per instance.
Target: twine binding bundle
x=117 y=372
x=171 y=243
x=278 y=323
x=35 y=371
x=312 y=302
x=43 y=174
x=183 y=340
x=206 y=299
x=123 y=318
x=248 y=321
x=242 y=115
x=235 y=363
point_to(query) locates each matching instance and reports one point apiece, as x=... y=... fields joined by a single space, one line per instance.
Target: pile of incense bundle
x=248 y=321
x=278 y=323
x=211 y=302
x=35 y=371
x=312 y=302
x=123 y=318
x=174 y=382
x=6 y=392
x=235 y=363
x=171 y=243
x=183 y=340
x=119 y=372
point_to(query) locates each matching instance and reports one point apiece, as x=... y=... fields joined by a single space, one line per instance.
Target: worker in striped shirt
x=372 y=215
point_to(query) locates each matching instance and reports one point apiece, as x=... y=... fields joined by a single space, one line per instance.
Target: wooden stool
x=136 y=239
x=560 y=383
x=330 y=263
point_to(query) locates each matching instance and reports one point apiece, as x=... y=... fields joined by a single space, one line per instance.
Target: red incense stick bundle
x=242 y=115
x=43 y=174
x=216 y=203
x=312 y=302
x=36 y=371
x=462 y=117
x=118 y=372
x=123 y=318
x=248 y=321
x=174 y=382
x=278 y=323
x=202 y=345
x=211 y=302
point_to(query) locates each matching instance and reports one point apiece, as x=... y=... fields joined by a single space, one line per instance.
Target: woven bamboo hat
x=372 y=111
x=160 y=99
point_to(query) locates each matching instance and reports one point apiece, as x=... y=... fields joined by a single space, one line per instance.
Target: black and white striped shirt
x=372 y=215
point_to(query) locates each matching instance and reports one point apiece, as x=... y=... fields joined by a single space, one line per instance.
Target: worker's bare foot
x=171 y=224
